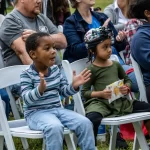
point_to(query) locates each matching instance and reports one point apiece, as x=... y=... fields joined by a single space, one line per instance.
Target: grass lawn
x=37 y=144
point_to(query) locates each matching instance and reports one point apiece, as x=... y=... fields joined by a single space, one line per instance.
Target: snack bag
x=114 y=87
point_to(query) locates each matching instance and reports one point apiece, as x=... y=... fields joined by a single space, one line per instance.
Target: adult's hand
x=27 y=33
x=121 y=36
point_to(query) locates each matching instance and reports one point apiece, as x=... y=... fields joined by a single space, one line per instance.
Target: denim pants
x=52 y=122
x=6 y=99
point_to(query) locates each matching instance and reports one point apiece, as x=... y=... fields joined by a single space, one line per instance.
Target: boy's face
x=44 y=55
x=103 y=50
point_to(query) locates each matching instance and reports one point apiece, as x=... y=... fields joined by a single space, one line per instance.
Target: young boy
x=42 y=84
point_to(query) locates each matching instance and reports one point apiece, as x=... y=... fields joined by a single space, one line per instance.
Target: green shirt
x=100 y=78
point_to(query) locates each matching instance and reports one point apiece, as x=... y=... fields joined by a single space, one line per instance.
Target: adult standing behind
x=117 y=12
x=24 y=20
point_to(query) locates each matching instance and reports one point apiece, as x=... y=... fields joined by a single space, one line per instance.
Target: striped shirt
x=56 y=85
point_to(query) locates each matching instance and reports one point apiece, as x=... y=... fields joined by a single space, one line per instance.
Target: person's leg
x=132 y=77
x=95 y=118
x=139 y=106
x=46 y=121
x=80 y=125
x=6 y=99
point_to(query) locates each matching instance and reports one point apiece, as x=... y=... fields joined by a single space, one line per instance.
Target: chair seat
x=25 y=132
x=126 y=119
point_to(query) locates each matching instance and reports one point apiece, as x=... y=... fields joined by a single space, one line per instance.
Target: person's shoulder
x=27 y=71
x=109 y=7
x=54 y=69
x=116 y=63
x=71 y=18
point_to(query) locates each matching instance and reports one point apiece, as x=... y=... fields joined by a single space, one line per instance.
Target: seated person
x=117 y=12
x=105 y=72
x=41 y=85
x=140 y=45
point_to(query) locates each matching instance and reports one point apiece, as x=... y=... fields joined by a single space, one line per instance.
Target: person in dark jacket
x=140 y=45
x=75 y=28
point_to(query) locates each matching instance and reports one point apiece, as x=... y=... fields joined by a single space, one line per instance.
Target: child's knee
x=95 y=118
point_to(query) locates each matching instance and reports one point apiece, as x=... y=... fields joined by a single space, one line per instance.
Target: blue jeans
x=134 y=87
x=52 y=122
x=6 y=99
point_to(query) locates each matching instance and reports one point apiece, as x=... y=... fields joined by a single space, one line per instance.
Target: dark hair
x=74 y=3
x=33 y=41
x=137 y=7
x=97 y=9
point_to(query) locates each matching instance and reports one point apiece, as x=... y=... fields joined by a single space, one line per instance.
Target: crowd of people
x=29 y=36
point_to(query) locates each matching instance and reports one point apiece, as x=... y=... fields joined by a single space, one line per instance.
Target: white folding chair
x=139 y=78
x=135 y=118
x=19 y=128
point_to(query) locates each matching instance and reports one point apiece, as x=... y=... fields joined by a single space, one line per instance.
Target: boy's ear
x=32 y=54
x=147 y=13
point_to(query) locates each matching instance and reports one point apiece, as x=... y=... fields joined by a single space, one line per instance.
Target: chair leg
x=136 y=143
x=1 y=142
x=13 y=104
x=43 y=145
x=16 y=116
x=140 y=136
x=24 y=143
x=70 y=142
x=113 y=135
x=75 y=139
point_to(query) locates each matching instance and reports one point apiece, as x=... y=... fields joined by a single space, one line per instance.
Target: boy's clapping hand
x=42 y=86
x=80 y=79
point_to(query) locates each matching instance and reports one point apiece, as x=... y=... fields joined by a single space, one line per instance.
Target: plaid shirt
x=130 y=30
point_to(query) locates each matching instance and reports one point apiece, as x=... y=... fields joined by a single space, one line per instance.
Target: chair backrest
x=114 y=57
x=11 y=75
x=8 y=76
x=139 y=78
x=78 y=66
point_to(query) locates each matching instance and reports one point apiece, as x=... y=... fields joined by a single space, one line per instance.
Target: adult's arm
x=140 y=49
x=11 y=34
x=59 y=38
x=18 y=46
x=109 y=11
x=76 y=45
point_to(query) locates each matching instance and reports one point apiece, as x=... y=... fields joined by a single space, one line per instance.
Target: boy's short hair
x=33 y=41
x=137 y=7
